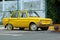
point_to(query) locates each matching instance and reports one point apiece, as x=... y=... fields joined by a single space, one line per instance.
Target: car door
x=23 y=18
x=14 y=19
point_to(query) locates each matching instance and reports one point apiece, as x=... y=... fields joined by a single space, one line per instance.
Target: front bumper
x=44 y=25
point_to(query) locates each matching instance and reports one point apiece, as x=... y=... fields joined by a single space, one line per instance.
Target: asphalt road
x=28 y=35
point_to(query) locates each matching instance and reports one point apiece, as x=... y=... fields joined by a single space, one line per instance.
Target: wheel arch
x=32 y=23
x=7 y=24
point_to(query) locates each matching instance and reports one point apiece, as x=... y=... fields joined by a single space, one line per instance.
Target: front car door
x=14 y=19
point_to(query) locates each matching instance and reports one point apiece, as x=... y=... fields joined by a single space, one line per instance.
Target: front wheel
x=33 y=27
x=44 y=28
x=9 y=27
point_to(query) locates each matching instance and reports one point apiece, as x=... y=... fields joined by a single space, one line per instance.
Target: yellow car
x=26 y=19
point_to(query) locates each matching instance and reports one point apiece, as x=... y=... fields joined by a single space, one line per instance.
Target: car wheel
x=9 y=27
x=44 y=28
x=33 y=27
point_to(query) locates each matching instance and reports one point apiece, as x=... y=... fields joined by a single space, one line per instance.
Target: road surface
x=28 y=35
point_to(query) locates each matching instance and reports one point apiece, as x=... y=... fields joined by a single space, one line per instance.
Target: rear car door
x=23 y=19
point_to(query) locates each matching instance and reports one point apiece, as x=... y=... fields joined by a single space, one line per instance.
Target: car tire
x=33 y=27
x=9 y=27
x=44 y=28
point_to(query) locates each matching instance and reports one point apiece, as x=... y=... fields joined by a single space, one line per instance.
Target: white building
x=11 y=5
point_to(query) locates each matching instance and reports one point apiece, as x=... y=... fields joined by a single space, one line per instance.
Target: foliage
x=57 y=18
x=51 y=12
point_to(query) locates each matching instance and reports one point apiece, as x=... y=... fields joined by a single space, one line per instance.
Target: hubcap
x=33 y=27
x=9 y=27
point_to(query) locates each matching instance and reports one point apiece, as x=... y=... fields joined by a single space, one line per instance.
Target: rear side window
x=23 y=14
x=15 y=15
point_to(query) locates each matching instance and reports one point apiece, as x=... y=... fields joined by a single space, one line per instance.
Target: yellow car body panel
x=25 y=21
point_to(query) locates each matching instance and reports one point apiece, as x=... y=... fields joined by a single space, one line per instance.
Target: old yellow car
x=26 y=19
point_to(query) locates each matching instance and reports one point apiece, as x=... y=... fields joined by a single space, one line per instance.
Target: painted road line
x=16 y=31
x=17 y=35
x=11 y=34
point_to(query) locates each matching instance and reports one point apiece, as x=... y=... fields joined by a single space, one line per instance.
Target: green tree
x=57 y=7
x=51 y=12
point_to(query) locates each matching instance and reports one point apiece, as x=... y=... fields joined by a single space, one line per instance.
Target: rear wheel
x=9 y=27
x=33 y=27
x=44 y=28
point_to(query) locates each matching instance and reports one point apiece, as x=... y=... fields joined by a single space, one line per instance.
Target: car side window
x=15 y=15
x=22 y=14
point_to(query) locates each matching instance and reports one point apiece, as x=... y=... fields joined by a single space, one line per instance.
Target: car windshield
x=32 y=14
